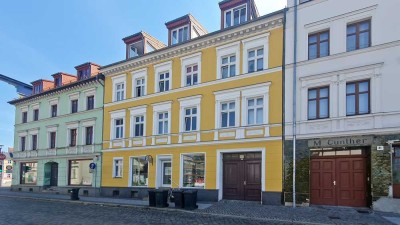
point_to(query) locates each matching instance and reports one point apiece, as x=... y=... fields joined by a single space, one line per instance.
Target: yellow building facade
x=205 y=114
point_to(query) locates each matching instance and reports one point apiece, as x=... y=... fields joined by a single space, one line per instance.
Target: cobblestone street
x=25 y=211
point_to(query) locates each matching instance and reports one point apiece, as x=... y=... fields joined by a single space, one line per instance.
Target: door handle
x=334 y=183
x=244 y=183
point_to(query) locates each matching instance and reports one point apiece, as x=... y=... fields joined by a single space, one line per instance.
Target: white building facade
x=345 y=57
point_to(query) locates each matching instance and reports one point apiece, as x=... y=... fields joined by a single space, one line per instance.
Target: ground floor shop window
x=193 y=170
x=139 y=171
x=79 y=172
x=28 y=173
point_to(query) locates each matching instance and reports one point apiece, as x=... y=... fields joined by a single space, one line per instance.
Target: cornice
x=238 y=33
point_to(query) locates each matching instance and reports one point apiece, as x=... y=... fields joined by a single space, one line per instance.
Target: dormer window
x=58 y=82
x=180 y=35
x=83 y=74
x=136 y=49
x=37 y=89
x=235 y=16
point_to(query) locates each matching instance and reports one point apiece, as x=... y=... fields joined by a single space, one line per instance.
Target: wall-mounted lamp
x=149 y=159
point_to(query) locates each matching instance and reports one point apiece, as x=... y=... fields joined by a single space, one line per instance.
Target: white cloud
x=268 y=6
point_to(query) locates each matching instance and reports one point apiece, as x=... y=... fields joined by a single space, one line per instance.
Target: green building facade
x=58 y=135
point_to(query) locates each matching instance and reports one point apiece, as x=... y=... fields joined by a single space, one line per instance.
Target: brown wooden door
x=233 y=180
x=322 y=182
x=339 y=181
x=242 y=178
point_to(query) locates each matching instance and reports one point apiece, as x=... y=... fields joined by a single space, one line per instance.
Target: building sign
x=341 y=142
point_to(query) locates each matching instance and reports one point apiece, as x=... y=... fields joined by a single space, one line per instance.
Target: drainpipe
x=283 y=98
x=294 y=101
x=102 y=130
x=391 y=151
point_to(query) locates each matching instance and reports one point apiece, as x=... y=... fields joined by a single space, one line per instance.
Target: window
x=180 y=35
x=133 y=51
x=191 y=119
x=74 y=106
x=191 y=75
x=255 y=111
x=37 y=89
x=72 y=137
x=34 y=142
x=24 y=117
x=28 y=173
x=119 y=128
x=166 y=167
x=138 y=126
x=52 y=143
x=83 y=74
x=318 y=45
x=163 y=123
x=53 y=110
x=90 y=102
x=57 y=82
x=23 y=142
x=318 y=103
x=120 y=91
x=357 y=98
x=359 y=35
x=228 y=66
x=139 y=171
x=35 y=114
x=139 y=87
x=235 y=16
x=193 y=166
x=79 y=172
x=255 y=60
x=228 y=114
x=89 y=135
x=118 y=165
x=163 y=82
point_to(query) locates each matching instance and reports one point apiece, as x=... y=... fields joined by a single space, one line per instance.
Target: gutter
x=294 y=88
x=283 y=102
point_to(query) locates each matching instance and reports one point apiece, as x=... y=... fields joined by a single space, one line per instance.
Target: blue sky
x=40 y=38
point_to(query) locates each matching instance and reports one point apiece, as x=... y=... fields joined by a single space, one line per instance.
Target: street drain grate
x=334 y=217
x=363 y=211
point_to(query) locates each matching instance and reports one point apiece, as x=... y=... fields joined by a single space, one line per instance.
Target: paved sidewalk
x=243 y=210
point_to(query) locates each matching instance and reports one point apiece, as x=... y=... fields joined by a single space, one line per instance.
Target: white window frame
x=130 y=171
x=129 y=50
x=115 y=116
x=223 y=97
x=121 y=79
x=177 y=30
x=87 y=93
x=158 y=108
x=163 y=121
x=190 y=61
x=256 y=91
x=114 y=175
x=140 y=74
x=261 y=41
x=233 y=17
x=162 y=173
x=228 y=50
x=227 y=111
x=181 y=169
x=134 y=112
x=189 y=102
x=159 y=69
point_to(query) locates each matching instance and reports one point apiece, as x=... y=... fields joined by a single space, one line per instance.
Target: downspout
x=283 y=101
x=102 y=131
x=294 y=101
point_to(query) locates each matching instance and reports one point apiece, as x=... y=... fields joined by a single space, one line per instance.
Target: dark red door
x=242 y=176
x=339 y=181
x=233 y=180
x=322 y=182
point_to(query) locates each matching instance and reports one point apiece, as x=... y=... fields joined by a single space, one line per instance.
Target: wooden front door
x=242 y=176
x=54 y=174
x=340 y=181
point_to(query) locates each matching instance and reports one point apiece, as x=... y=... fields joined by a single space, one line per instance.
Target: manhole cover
x=334 y=217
